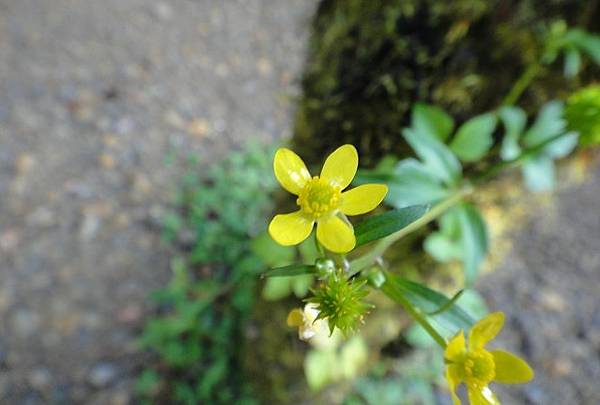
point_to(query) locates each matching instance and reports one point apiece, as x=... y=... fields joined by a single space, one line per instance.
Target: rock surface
x=95 y=95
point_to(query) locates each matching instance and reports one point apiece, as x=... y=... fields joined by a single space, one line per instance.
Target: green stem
x=495 y=169
x=521 y=84
x=369 y=258
x=397 y=296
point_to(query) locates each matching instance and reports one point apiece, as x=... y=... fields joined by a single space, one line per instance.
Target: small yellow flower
x=306 y=321
x=477 y=367
x=321 y=199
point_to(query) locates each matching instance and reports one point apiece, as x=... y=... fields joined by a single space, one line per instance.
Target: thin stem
x=495 y=169
x=521 y=84
x=369 y=258
x=391 y=292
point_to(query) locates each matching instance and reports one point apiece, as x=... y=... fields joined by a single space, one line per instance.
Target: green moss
x=370 y=60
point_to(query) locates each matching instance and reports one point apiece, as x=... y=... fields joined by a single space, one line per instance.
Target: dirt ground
x=549 y=287
x=95 y=96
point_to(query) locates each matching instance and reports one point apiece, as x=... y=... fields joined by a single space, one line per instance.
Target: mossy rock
x=370 y=60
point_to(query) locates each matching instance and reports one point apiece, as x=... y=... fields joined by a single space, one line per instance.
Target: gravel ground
x=549 y=287
x=93 y=96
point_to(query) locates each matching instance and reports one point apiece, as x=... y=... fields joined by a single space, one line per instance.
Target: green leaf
x=412 y=184
x=438 y=159
x=586 y=42
x=572 y=62
x=301 y=285
x=277 y=288
x=548 y=124
x=379 y=226
x=474 y=238
x=291 y=270
x=353 y=357
x=431 y=120
x=562 y=146
x=514 y=120
x=474 y=138
x=428 y=300
x=271 y=252
x=538 y=173
x=320 y=367
x=442 y=248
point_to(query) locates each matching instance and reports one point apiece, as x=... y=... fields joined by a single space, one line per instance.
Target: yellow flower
x=321 y=199
x=477 y=367
x=306 y=321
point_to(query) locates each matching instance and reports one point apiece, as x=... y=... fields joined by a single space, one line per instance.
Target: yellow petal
x=511 y=369
x=485 y=330
x=290 y=229
x=340 y=167
x=482 y=396
x=453 y=381
x=363 y=198
x=336 y=235
x=456 y=346
x=295 y=318
x=290 y=170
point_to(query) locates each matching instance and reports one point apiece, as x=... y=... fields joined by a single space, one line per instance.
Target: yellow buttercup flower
x=477 y=367
x=321 y=199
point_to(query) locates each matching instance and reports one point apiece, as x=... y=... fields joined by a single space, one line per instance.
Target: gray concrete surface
x=94 y=95
x=549 y=287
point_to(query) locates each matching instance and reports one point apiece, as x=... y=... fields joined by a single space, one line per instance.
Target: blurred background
x=136 y=141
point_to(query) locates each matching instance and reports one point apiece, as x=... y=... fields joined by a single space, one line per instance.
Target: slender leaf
x=291 y=270
x=380 y=226
x=428 y=300
x=475 y=240
x=438 y=159
x=431 y=120
x=514 y=120
x=474 y=138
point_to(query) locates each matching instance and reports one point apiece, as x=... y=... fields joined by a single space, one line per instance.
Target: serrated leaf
x=431 y=120
x=538 y=173
x=474 y=138
x=412 y=184
x=514 y=120
x=380 y=226
x=291 y=270
x=428 y=300
x=474 y=238
x=438 y=159
x=548 y=124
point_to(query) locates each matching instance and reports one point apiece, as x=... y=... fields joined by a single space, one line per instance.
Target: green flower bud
x=583 y=114
x=340 y=301
x=325 y=268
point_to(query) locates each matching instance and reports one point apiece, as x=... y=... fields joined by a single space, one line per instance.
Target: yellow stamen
x=319 y=197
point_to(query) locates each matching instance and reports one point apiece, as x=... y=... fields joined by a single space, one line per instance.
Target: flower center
x=319 y=197
x=477 y=367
